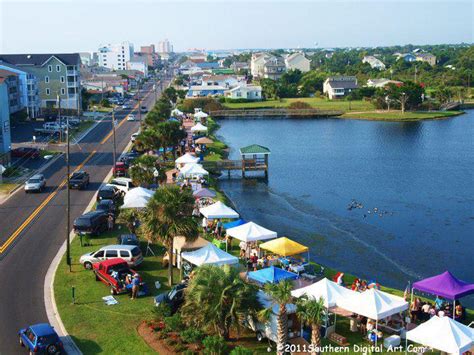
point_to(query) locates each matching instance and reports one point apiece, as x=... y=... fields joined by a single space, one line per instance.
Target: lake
x=413 y=180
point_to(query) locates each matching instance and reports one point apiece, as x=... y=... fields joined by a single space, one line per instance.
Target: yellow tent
x=284 y=246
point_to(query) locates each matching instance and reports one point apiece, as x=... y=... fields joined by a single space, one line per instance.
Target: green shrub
x=240 y=350
x=214 y=345
x=105 y=103
x=191 y=335
x=236 y=101
x=174 y=323
x=180 y=348
x=162 y=311
x=299 y=105
x=171 y=342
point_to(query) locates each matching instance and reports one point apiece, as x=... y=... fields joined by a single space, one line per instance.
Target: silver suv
x=35 y=183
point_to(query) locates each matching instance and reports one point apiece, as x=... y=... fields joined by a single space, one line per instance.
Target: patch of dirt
x=149 y=336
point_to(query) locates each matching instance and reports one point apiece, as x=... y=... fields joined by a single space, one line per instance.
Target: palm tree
x=168 y=215
x=128 y=217
x=218 y=299
x=141 y=172
x=281 y=295
x=312 y=312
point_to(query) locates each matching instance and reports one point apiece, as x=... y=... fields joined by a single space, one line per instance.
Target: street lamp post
x=68 y=196
x=139 y=104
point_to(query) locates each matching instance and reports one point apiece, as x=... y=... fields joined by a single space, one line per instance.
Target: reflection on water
x=414 y=180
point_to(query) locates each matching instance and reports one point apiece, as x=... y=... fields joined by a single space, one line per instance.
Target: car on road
x=120 y=169
x=41 y=339
x=108 y=192
x=114 y=273
x=124 y=184
x=79 y=180
x=92 y=223
x=132 y=254
x=131 y=117
x=174 y=298
x=25 y=152
x=143 y=109
x=107 y=206
x=35 y=183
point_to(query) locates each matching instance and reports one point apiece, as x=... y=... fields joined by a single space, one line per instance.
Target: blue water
x=419 y=174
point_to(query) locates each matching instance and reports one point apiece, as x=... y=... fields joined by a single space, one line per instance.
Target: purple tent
x=204 y=193
x=445 y=285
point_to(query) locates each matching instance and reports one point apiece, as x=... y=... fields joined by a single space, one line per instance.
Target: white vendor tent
x=198 y=127
x=137 y=197
x=444 y=334
x=373 y=304
x=250 y=232
x=187 y=159
x=200 y=114
x=193 y=170
x=210 y=254
x=176 y=112
x=218 y=210
x=330 y=291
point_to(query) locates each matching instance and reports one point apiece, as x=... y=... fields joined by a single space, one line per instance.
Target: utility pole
x=139 y=104
x=113 y=134
x=58 y=98
x=68 y=203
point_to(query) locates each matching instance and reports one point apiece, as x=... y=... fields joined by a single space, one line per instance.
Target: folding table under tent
x=285 y=247
x=218 y=210
x=210 y=254
x=444 y=334
x=444 y=285
x=272 y=275
x=187 y=159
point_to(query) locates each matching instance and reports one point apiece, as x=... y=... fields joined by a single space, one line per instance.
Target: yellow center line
x=38 y=209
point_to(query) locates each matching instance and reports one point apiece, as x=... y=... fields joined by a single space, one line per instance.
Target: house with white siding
x=297 y=61
x=336 y=87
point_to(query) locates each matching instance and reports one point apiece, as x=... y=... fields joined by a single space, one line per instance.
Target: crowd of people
x=422 y=311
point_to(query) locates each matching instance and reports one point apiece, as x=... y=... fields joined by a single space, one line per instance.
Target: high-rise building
x=115 y=56
x=165 y=47
x=148 y=49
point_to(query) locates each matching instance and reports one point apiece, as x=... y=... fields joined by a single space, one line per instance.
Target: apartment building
x=115 y=56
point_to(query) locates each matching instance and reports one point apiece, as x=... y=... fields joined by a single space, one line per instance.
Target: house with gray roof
x=336 y=87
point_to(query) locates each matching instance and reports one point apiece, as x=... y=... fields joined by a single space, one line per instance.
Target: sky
x=37 y=26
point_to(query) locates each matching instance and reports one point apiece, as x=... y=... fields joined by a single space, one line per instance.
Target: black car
x=107 y=206
x=129 y=157
x=93 y=223
x=128 y=239
x=173 y=298
x=108 y=193
x=79 y=180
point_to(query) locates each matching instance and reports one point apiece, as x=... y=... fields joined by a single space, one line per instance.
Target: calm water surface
x=420 y=174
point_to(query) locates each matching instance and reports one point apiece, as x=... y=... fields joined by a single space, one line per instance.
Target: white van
x=124 y=184
x=130 y=253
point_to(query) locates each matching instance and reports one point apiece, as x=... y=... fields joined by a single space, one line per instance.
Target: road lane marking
x=30 y=218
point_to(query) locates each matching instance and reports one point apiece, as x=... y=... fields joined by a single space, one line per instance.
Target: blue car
x=41 y=339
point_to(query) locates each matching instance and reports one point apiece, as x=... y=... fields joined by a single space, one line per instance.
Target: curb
x=49 y=300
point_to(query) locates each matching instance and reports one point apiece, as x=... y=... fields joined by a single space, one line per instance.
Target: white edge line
x=49 y=300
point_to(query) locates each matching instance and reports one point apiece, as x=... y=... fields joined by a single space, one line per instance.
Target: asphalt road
x=24 y=260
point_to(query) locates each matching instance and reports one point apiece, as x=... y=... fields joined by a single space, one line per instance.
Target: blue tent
x=234 y=223
x=272 y=275
x=173 y=119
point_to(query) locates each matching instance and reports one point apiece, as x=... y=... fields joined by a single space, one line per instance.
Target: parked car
x=25 y=152
x=106 y=206
x=35 y=183
x=120 y=169
x=41 y=339
x=124 y=184
x=128 y=239
x=134 y=136
x=119 y=268
x=131 y=117
x=108 y=192
x=174 y=298
x=92 y=223
x=132 y=254
x=79 y=180
x=129 y=157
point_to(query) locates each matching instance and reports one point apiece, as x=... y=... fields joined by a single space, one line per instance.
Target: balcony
x=72 y=84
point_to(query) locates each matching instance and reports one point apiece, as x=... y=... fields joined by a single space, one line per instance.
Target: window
x=50 y=68
x=63 y=91
x=111 y=253
x=124 y=254
x=46 y=79
x=62 y=79
x=99 y=254
x=58 y=68
x=48 y=92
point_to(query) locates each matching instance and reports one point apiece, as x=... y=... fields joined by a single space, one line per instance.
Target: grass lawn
x=83 y=126
x=398 y=116
x=316 y=102
x=95 y=327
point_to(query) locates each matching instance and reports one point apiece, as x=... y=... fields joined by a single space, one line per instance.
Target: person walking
x=110 y=222
x=135 y=286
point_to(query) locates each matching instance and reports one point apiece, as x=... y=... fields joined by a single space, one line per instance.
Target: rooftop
x=40 y=59
x=254 y=149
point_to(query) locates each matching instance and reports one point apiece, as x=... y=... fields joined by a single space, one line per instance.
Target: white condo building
x=115 y=56
x=165 y=47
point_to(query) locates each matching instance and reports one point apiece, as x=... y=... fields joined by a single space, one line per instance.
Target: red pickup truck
x=113 y=273
x=120 y=169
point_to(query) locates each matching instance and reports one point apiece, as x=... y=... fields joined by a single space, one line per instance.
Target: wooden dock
x=275 y=113
x=243 y=165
